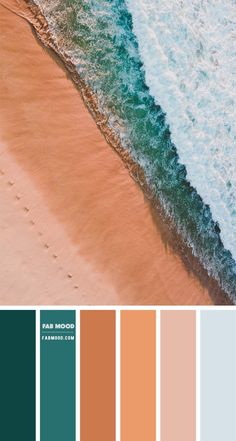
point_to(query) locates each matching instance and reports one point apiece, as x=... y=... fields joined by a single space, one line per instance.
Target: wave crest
x=189 y=53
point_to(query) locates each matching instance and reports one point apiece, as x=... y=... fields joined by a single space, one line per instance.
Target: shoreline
x=169 y=236
x=135 y=170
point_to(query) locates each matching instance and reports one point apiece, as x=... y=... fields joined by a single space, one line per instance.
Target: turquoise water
x=98 y=36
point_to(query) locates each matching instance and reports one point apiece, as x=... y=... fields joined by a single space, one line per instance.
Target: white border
x=120 y=307
x=77 y=374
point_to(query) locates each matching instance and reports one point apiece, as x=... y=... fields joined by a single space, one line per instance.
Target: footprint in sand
x=26 y=209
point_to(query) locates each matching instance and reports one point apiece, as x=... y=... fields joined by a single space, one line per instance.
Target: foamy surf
x=108 y=61
x=189 y=54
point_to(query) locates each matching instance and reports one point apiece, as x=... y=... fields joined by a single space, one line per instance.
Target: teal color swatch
x=218 y=375
x=57 y=378
x=17 y=375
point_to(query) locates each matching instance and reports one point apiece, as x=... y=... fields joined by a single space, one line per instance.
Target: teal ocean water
x=138 y=57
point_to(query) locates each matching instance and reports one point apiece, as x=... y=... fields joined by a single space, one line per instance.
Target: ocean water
x=164 y=74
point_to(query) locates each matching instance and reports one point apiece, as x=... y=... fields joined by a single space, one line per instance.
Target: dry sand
x=75 y=228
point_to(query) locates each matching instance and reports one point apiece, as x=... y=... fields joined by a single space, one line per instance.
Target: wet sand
x=81 y=232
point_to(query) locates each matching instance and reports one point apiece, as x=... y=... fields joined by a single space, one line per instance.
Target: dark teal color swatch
x=17 y=375
x=57 y=350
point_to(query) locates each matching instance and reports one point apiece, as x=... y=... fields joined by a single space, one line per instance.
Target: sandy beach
x=74 y=227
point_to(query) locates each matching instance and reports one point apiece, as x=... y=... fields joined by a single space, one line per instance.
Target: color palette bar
x=156 y=375
x=138 y=375
x=218 y=375
x=97 y=376
x=17 y=375
x=178 y=376
x=57 y=375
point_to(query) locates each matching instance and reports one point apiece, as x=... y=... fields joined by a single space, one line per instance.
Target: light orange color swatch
x=178 y=376
x=97 y=375
x=138 y=376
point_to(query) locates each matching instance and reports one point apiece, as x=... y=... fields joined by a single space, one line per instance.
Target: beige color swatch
x=178 y=376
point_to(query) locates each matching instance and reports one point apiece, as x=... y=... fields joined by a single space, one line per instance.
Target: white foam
x=188 y=49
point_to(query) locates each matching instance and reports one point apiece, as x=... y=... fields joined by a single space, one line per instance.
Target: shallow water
x=98 y=36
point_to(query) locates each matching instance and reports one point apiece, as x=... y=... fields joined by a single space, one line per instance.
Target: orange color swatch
x=138 y=376
x=97 y=375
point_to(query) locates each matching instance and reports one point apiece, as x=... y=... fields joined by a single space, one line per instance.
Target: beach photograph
x=117 y=152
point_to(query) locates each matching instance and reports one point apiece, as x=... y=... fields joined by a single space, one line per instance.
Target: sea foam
x=97 y=36
x=188 y=50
